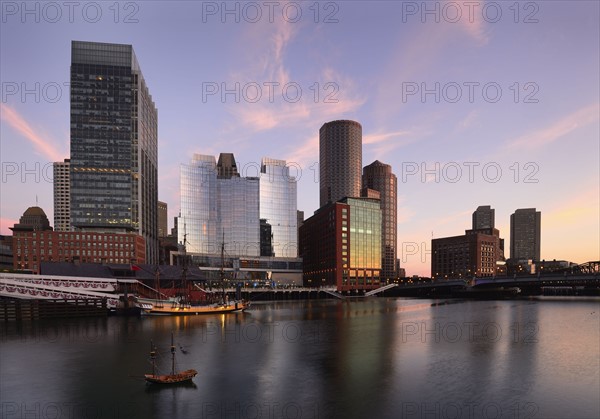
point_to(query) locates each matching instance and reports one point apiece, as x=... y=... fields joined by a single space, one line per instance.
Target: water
x=373 y=358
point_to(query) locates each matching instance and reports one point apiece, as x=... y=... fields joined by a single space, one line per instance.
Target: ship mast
x=223 y=266
x=184 y=284
x=153 y=357
x=172 y=355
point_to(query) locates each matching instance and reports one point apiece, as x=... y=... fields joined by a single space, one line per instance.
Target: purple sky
x=499 y=103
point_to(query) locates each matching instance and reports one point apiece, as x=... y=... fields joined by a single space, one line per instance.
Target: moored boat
x=183 y=304
x=182 y=308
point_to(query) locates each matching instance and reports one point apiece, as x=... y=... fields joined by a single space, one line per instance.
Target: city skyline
x=545 y=145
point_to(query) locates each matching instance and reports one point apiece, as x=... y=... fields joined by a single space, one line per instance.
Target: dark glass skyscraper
x=114 y=150
x=340 y=160
x=525 y=234
x=378 y=176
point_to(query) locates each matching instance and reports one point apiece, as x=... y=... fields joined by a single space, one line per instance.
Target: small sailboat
x=174 y=377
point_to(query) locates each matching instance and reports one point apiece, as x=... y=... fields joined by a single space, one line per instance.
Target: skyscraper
x=484 y=217
x=340 y=160
x=378 y=176
x=114 y=135
x=525 y=234
x=278 y=206
x=62 y=196
x=255 y=217
x=218 y=205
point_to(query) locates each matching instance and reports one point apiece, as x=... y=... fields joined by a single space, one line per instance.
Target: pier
x=25 y=296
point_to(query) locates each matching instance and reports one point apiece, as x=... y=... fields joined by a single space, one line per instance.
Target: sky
x=471 y=103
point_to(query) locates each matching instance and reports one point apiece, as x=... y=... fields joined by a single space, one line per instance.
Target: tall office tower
x=278 y=206
x=114 y=135
x=378 y=176
x=340 y=165
x=218 y=205
x=525 y=234
x=163 y=228
x=62 y=196
x=484 y=217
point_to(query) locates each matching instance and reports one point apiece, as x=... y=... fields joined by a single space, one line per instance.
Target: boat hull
x=180 y=377
x=183 y=309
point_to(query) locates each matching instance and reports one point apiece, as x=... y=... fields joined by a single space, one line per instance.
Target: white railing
x=380 y=289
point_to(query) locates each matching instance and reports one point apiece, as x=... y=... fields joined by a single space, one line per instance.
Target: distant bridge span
x=546 y=280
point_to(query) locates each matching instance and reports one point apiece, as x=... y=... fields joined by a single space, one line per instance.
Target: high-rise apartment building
x=484 y=217
x=114 y=135
x=525 y=234
x=340 y=160
x=62 y=195
x=378 y=176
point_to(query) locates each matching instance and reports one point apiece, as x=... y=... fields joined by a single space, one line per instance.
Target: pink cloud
x=266 y=63
x=21 y=126
x=307 y=153
x=564 y=126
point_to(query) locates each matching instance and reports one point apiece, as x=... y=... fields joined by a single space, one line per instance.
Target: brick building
x=34 y=242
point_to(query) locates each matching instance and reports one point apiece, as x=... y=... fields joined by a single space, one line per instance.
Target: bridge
x=546 y=280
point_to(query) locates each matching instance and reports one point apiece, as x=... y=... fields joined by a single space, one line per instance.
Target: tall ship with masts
x=182 y=304
x=173 y=377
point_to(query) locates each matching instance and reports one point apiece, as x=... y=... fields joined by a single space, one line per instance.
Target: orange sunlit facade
x=341 y=245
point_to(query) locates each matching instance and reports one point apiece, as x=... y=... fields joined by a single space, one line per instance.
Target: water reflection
x=364 y=358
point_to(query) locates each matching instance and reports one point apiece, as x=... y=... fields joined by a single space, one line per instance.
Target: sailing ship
x=181 y=305
x=174 y=377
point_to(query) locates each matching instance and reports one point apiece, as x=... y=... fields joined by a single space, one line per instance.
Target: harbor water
x=364 y=358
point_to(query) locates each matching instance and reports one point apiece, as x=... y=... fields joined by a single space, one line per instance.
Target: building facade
x=341 y=245
x=218 y=206
x=473 y=254
x=525 y=234
x=163 y=228
x=278 y=206
x=340 y=160
x=378 y=176
x=6 y=253
x=114 y=144
x=62 y=195
x=34 y=242
x=255 y=217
